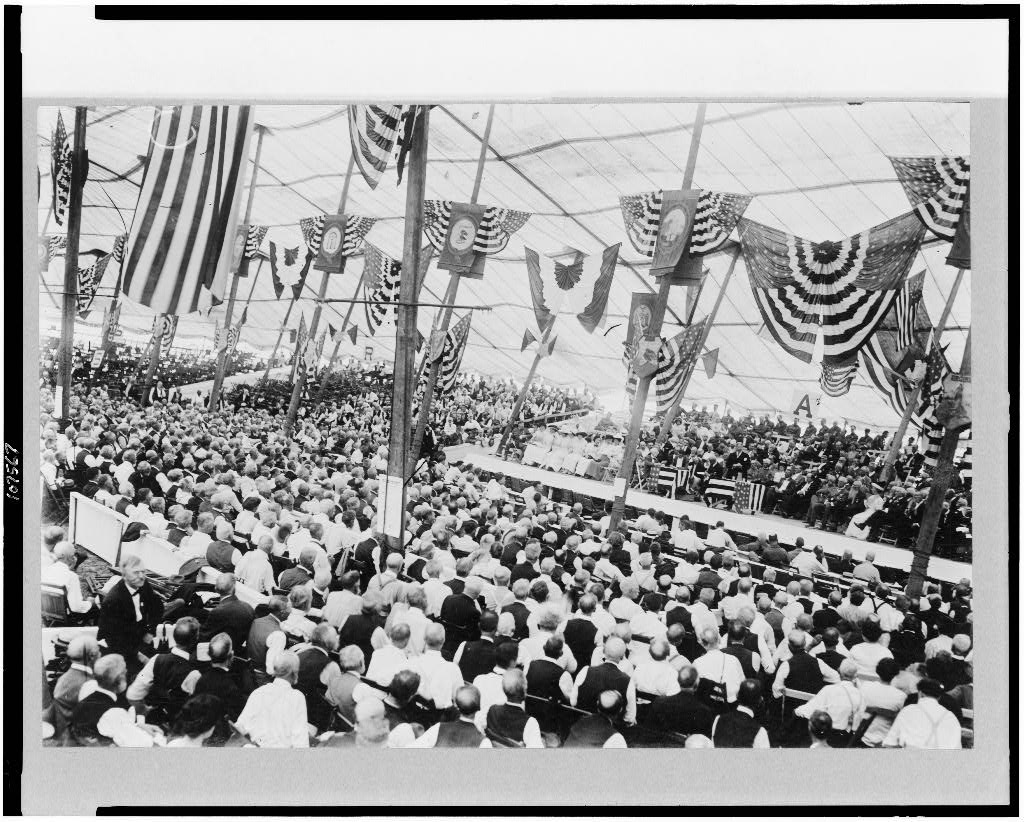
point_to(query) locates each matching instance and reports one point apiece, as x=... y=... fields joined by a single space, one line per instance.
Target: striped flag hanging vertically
x=937 y=188
x=451 y=356
x=254 y=239
x=374 y=131
x=675 y=359
x=60 y=169
x=88 y=281
x=180 y=242
x=381 y=283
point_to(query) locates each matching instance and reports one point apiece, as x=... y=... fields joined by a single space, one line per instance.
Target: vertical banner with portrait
x=678 y=210
x=239 y=262
x=457 y=253
x=641 y=352
x=329 y=257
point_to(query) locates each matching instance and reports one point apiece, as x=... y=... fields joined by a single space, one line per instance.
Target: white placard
x=393 y=507
x=620 y=486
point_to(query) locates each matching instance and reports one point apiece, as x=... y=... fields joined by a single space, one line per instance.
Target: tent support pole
x=70 y=306
x=666 y=424
x=915 y=395
x=644 y=383
x=223 y=356
x=521 y=399
x=405 y=339
x=337 y=343
x=299 y=382
x=942 y=478
x=445 y=314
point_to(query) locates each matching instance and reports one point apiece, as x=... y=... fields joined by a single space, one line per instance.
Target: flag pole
x=942 y=478
x=445 y=314
x=280 y=335
x=154 y=356
x=222 y=359
x=79 y=159
x=915 y=395
x=405 y=338
x=521 y=399
x=666 y=424
x=42 y=279
x=644 y=383
x=299 y=382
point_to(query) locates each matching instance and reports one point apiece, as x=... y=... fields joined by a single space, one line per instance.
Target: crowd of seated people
x=827 y=476
x=502 y=621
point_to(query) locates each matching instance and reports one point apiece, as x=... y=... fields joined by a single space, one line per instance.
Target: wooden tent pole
x=644 y=383
x=521 y=399
x=222 y=359
x=915 y=395
x=445 y=314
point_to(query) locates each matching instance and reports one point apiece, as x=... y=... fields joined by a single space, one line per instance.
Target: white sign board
x=393 y=507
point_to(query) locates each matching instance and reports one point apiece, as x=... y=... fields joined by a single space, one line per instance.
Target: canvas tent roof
x=816 y=169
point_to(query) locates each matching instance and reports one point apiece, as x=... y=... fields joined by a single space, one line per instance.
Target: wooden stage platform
x=786 y=529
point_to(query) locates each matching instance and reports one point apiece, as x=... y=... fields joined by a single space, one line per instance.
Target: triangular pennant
x=353 y=333
x=332 y=331
x=528 y=338
x=710 y=362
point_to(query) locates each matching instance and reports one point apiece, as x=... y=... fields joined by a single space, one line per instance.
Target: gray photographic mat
x=77 y=781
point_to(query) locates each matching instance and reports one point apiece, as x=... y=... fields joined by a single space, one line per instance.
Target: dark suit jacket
x=681 y=713
x=233 y=617
x=117 y=622
x=221 y=684
x=524 y=570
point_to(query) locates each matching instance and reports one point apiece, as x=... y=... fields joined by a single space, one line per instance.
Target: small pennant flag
x=332 y=331
x=353 y=333
x=546 y=349
x=420 y=339
x=245 y=316
x=528 y=338
x=60 y=169
x=710 y=363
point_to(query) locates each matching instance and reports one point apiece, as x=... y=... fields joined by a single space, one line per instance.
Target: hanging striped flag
x=748 y=497
x=381 y=284
x=496 y=228
x=120 y=245
x=721 y=489
x=675 y=359
x=50 y=247
x=451 y=356
x=88 y=281
x=113 y=322
x=835 y=380
x=180 y=242
x=716 y=217
x=938 y=189
x=254 y=239
x=60 y=169
x=966 y=462
x=374 y=131
x=580 y=287
x=842 y=289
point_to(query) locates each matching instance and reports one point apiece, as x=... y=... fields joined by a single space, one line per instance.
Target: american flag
x=937 y=188
x=88 y=281
x=451 y=357
x=181 y=240
x=966 y=461
x=381 y=283
x=675 y=359
x=120 y=244
x=749 y=496
x=931 y=390
x=60 y=169
x=835 y=380
x=906 y=309
x=374 y=132
x=716 y=217
x=254 y=239
x=846 y=288
x=496 y=227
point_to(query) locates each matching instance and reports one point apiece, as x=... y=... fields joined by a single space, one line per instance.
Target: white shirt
x=435 y=591
x=661 y=678
x=439 y=678
x=842 y=701
x=491 y=693
x=57 y=573
x=924 y=725
x=867 y=655
x=879 y=695
x=417 y=622
x=687 y=540
x=719 y=667
x=340 y=606
x=647 y=624
x=388 y=661
x=533 y=648
x=255 y=571
x=275 y=716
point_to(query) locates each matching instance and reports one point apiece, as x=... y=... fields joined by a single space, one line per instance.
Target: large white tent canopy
x=816 y=169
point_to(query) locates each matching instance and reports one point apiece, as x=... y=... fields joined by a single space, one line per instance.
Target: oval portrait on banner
x=463 y=234
x=641 y=321
x=331 y=242
x=673 y=226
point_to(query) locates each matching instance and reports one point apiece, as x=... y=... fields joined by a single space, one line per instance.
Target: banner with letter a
x=805 y=403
